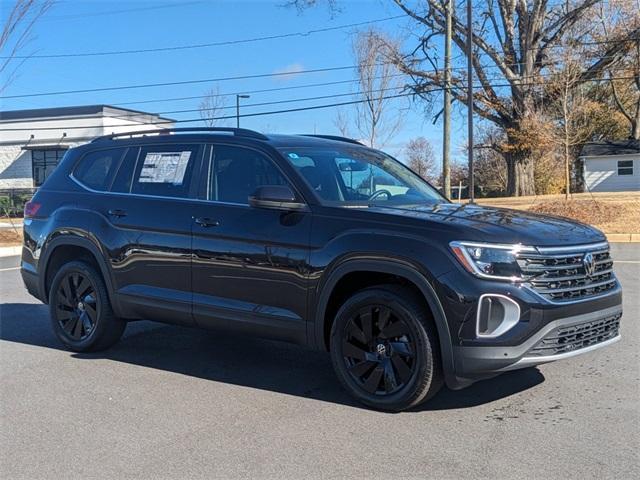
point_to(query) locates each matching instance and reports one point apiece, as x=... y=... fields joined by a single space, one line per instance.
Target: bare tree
x=618 y=18
x=341 y=122
x=421 y=159
x=377 y=118
x=570 y=105
x=514 y=42
x=16 y=34
x=211 y=106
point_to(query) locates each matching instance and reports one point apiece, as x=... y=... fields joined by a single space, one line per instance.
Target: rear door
x=150 y=208
x=250 y=264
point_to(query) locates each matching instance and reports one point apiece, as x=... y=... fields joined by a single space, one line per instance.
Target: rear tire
x=384 y=348
x=80 y=311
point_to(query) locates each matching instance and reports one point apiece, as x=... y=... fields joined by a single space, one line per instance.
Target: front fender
x=393 y=266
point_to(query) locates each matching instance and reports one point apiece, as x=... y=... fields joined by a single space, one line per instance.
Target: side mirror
x=276 y=197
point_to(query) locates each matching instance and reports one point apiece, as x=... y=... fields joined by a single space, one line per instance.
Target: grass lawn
x=10 y=237
x=617 y=212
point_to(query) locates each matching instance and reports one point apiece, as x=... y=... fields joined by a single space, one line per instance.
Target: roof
x=77 y=111
x=604 y=149
x=238 y=135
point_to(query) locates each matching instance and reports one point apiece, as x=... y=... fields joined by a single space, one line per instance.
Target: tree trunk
x=520 y=174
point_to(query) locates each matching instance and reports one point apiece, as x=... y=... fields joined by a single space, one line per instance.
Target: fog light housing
x=497 y=314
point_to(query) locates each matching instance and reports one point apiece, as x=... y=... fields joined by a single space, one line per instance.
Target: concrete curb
x=10 y=251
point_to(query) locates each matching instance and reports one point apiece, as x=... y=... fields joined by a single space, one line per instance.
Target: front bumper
x=557 y=340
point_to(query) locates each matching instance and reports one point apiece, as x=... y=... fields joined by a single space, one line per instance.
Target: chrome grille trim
x=559 y=276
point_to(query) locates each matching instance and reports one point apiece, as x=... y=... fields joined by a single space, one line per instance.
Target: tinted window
x=44 y=162
x=165 y=170
x=237 y=172
x=625 y=167
x=122 y=180
x=96 y=169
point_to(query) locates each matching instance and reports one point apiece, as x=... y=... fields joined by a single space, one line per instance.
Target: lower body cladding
x=559 y=339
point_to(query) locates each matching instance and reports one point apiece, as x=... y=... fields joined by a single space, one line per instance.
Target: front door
x=249 y=264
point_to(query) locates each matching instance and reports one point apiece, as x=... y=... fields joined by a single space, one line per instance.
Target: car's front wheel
x=81 y=315
x=384 y=348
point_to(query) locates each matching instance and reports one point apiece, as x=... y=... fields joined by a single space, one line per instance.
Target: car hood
x=500 y=225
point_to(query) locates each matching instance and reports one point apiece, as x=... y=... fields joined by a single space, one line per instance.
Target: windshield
x=355 y=176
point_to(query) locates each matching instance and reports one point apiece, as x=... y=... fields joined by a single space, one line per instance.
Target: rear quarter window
x=97 y=169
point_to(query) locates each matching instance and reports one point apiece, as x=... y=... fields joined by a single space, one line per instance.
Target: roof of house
x=604 y=149
x=78 y=111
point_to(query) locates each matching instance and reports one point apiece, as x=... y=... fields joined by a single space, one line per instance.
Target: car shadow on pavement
x=247 y=361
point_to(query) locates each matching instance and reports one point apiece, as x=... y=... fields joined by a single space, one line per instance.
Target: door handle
x=207 y=222
x=117 y=213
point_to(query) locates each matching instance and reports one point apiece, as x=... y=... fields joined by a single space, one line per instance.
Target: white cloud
x=289 y=72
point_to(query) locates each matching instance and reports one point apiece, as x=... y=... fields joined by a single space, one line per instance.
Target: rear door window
x=165 y=170
x=97 y=169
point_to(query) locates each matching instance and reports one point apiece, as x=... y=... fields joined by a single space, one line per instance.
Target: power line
x=273 y=112
x=194 y=120
x=184 y=82
x=261 y=104
x=115 y=12
x=265 y=90
x=207 y=45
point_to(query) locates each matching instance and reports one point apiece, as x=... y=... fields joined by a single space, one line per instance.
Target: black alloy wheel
x=384 y=348
x=378 y=350
x=76 y=306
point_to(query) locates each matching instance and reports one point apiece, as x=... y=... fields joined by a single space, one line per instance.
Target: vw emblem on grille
x=589 y=264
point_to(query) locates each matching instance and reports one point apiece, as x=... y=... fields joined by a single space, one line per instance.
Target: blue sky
x=97 y=25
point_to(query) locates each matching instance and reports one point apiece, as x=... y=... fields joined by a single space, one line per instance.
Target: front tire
x=384 y=348
x=80 y=311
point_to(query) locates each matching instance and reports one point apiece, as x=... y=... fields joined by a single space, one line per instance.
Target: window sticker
x=164 y=167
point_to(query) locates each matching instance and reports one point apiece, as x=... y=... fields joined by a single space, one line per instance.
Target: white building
x=32 y=142
x=611 y=166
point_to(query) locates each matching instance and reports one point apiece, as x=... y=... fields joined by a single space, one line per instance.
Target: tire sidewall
x=412 y=392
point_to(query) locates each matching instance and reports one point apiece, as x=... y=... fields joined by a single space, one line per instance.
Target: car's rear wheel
x=384 y=348
x=81 y=315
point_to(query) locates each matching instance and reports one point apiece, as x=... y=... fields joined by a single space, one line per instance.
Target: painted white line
x=10 y=251
x=10 y=268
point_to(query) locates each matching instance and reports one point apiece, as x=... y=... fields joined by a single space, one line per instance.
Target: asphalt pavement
x=175 y=403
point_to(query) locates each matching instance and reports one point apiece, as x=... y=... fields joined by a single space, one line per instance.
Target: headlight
x=492 y=261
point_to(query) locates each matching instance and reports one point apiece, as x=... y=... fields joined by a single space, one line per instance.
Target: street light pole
x=238 y=97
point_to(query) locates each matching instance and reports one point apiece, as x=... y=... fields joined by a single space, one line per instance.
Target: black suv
x=316 y=240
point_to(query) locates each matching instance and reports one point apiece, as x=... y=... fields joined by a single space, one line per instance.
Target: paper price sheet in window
x=164 y=167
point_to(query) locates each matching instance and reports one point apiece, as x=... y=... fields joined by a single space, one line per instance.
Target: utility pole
x=446 y=134
x=238 y=97
x=470 y=96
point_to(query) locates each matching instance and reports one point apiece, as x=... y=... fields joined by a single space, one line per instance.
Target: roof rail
x=334 y=137
x=239 y=132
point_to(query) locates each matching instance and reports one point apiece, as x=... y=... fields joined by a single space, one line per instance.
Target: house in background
x=611 y=166
x=32 y=142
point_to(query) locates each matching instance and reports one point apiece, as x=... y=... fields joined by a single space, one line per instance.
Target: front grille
x=562 y=277
x=575 y=337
